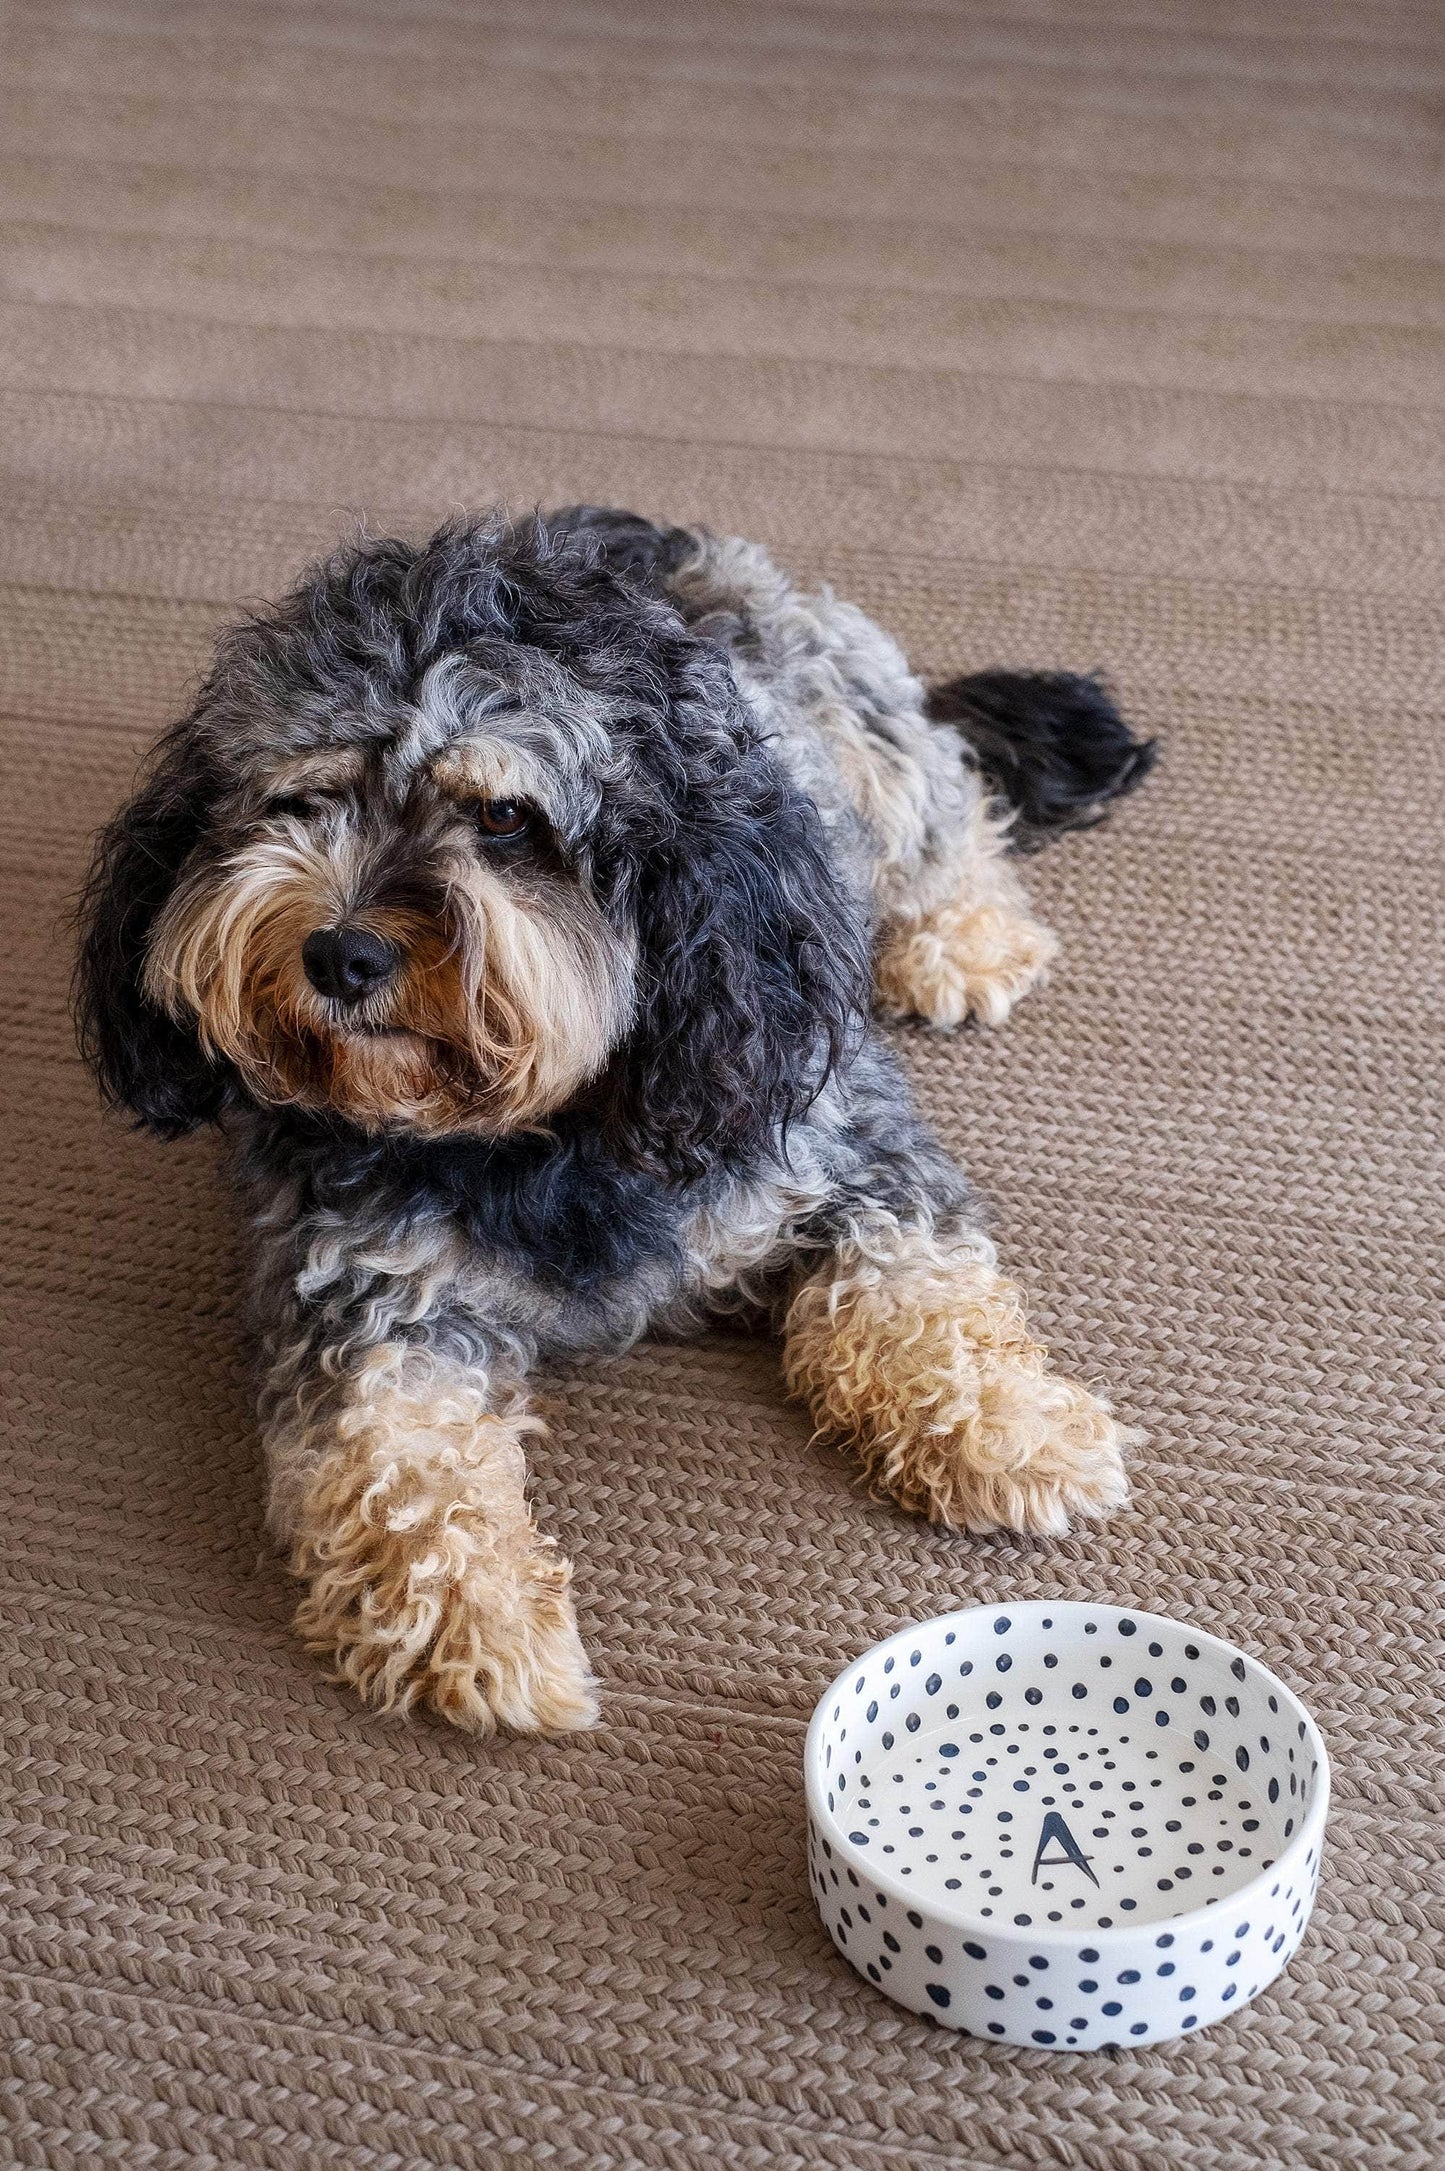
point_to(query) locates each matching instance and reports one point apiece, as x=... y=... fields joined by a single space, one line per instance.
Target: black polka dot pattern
x=1010 y=1779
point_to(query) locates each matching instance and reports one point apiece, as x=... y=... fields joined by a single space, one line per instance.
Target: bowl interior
x=1073 y=1766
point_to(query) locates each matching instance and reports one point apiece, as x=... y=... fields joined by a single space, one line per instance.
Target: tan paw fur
x=922 y=1358
x=961 y=961
x=429 y=1584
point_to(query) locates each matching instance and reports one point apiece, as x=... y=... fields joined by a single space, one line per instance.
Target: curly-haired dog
x=515 y=899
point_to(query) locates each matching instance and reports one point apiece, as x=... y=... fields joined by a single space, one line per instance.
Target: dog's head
x=461 y=836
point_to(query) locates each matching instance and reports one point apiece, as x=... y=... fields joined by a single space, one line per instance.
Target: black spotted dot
x=939 y=1995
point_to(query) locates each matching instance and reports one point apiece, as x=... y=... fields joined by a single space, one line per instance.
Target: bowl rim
x=955 y=1917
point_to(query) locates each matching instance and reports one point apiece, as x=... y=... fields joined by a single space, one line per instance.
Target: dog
x=518 y=902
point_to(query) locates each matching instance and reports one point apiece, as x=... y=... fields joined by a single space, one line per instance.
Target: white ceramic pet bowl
x=1071 y=1826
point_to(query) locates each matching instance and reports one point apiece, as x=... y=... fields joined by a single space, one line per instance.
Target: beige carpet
x=1084 y=332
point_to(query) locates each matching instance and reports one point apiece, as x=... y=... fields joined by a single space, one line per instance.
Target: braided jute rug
x=1077 y=332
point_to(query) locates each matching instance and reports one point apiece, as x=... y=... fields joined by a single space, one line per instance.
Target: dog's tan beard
x=505 y=1004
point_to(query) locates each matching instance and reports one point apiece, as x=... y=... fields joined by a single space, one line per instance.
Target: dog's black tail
x=1053 y=745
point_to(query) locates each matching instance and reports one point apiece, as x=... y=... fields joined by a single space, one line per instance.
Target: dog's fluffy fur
x=636 y=827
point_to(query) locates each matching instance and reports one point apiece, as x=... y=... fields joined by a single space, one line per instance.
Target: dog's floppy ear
x=145 y=1061
x=753 y=972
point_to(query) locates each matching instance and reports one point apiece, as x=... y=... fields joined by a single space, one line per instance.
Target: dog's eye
x=298 y=803
x=503 y=817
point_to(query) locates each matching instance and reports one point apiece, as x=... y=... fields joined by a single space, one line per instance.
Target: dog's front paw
x=962 y=961
x=1031 y=1452
x=921 y=1354
x=429 y=1585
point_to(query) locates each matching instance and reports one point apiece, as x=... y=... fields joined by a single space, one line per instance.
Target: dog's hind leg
x=906 y=804
x=925 y=794
x=955 y=936
x=959 y=940
x=1053 y=752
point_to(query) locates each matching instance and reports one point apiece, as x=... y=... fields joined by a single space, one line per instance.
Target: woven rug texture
x=1088 y=333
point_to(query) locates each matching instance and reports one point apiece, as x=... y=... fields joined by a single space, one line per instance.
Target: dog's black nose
x=347 y=963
